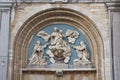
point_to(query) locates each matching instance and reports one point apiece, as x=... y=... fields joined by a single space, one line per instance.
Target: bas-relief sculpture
x=37 y=55
x=44 y=35
x=59 y=49
x=83 y=55
x=72 y=36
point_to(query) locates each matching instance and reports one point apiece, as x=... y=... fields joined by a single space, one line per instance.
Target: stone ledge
x=60 y=65
x=62 y=69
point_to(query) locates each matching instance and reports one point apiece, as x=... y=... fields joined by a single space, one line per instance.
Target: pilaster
x=114 y=17
x=4 y=38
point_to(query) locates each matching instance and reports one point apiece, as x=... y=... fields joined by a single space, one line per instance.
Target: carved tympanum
x=58 y=48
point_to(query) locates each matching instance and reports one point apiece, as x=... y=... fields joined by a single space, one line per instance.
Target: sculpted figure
x=59 y=46
x=37 y=55
x=83 y=55
x=72 y=36
x=43 y=35
x=55 y=36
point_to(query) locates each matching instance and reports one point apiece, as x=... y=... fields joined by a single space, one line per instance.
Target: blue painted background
x=49 y=29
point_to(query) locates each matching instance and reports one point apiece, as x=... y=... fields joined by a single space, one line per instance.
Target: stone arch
x=52 y=16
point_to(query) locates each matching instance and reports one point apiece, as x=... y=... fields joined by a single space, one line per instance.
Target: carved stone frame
x=52 y=16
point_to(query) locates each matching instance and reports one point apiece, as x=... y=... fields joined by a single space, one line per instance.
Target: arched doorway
x=58 y=16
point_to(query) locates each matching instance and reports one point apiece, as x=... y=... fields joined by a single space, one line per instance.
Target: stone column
x=114 y=16
x=4 y=39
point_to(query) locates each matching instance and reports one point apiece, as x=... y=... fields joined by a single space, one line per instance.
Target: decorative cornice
x=56 y=1
x=5 y=6
x=113 y=5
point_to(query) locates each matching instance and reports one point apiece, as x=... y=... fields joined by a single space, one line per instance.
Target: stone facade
x=100 y=27
x=95 y=12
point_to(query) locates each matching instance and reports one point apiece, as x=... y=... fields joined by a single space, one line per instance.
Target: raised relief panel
x=60 y=46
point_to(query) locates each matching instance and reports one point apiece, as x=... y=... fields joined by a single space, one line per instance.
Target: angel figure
x=43 y=35
x=83 y=55
x=72 y=36
x=37 y=55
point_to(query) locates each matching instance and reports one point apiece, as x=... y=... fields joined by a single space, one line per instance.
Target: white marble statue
x=83 y=55
x=37 y=55
x=72 y=36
